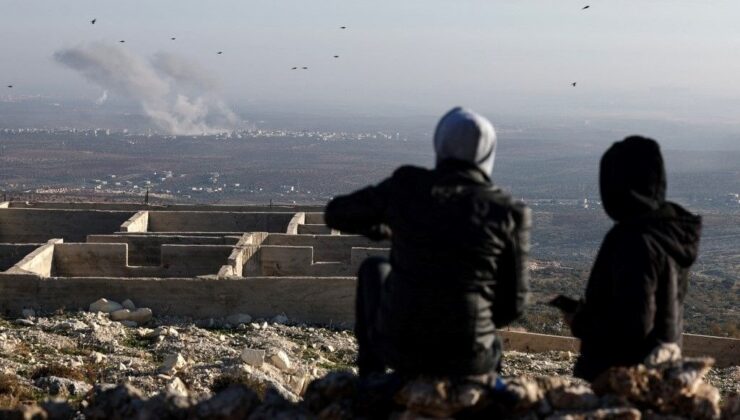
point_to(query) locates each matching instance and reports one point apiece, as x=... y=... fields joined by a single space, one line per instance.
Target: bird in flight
x=585 y=7
x=173 y=38
x=305 y=68
x=220 y=52
x=336 y=56
x=92 y=22
x=342 y=27
x=294 y=68
x=121 y=41
x=10 y=86
x=573 y=84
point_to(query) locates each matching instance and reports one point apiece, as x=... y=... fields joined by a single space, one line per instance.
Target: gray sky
x=664 y=59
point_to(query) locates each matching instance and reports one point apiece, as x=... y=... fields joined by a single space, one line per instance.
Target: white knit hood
x=464 y=135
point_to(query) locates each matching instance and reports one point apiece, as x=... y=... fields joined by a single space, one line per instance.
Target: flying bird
x=342 y=27
x=93 y=21
x=220 y=52
x=173 y=38
x=573 y=84
x=304 y=68
x=294 y=68
x=336 y=56
x=10 y=86
x=121 y=41
x=585 y=7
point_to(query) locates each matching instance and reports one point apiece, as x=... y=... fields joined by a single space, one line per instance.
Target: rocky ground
x=64 y=355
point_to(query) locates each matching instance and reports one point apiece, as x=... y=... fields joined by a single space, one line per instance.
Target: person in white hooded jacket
x=457 y=267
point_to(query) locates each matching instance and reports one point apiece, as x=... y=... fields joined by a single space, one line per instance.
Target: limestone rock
x=24 y=322
x=572 y=397
x=62 y=387
x=120 y=315
x=253 y=357
x=615 y=413
x=237 y=319
x=128 y=304
x=173 y=363
x=664 y=353
x=439 y=397
x=281 y=360
x=177 y=387
x=24 y=412
x=141 y=316
x=105 y=305
x=235 y=402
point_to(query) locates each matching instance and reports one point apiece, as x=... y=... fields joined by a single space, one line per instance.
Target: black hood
x=633 y=186
x=676 y=230
x=632 y=178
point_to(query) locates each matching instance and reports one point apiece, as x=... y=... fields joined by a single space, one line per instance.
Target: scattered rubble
x=246 y=361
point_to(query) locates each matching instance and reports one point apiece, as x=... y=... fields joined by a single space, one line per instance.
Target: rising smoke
x=176 y=94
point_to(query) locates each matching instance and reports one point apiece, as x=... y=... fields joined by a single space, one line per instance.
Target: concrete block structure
x=204 y=262
x=197 y=261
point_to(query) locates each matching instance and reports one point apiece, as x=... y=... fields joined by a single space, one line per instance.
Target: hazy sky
x=670 y=59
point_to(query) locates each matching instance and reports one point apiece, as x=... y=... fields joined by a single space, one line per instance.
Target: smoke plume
x=175 y=93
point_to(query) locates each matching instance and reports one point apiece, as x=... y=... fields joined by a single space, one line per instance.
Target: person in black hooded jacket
x=635 y=293
x=457 y=267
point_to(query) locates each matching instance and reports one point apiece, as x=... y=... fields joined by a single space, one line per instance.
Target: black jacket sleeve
x=362 y=212
x=511 y=294
x=629 y=295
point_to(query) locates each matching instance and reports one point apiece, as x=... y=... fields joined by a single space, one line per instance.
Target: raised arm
x=362 y=212
x=512 y=291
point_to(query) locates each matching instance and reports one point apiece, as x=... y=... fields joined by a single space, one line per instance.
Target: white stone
x=128 y=304
x=28 y=313
x=97 y=357
x=120 y=315
x=141 y=315
x=177 y=387
x=172 y=363
x=237 y=319
x=105 y=305
x=280 y=360
x=253 y=357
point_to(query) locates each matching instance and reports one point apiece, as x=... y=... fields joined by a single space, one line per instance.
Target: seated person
x=457 y=267
x=635 y=294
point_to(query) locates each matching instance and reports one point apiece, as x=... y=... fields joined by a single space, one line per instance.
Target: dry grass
x=59 y=370
x=14 y=392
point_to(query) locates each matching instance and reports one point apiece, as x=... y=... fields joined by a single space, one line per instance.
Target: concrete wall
x=194 y=260
x=90 y=260
x=182 y=221
x=134 y=207
x=298 y=219
x=33 y=226
x=314 y=300
x=725 y=351
x=136 y=223
x=38 y=262
x=146 y=249
x=327 y=248
x=10 y=254
x=110 y=260
x=299 y=261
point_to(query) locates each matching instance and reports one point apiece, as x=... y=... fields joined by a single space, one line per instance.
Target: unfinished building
x=197 y=261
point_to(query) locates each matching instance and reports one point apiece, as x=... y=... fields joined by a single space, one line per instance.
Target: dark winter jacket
x=635 y=294
x=458 y=256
